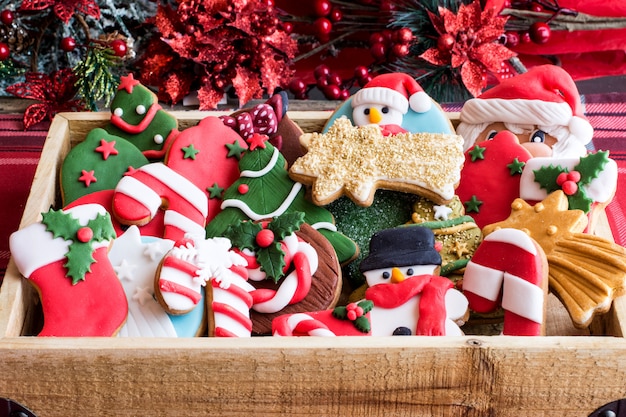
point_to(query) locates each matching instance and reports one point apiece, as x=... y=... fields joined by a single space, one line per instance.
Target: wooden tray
x=570 y=373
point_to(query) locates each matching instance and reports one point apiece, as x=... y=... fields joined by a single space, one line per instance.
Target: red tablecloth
x=20 y=152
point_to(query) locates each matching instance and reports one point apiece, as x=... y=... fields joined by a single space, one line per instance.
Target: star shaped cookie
x=357 y=160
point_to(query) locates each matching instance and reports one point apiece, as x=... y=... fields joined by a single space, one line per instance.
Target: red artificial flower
x=55 y=93
x=64 y=9
x=469 y=40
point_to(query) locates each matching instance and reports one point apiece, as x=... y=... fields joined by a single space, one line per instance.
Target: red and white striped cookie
x=509 y=269
x=153 y=187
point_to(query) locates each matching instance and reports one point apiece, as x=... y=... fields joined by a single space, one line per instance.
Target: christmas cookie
x=509 y=269
x=137 y=116
x=142 y=193
x=135 y=260
x=264 y=190
x=356 y=160
x=490 y=178
x=397 y=103
x=196 y=265
x=292 y=267
x=65 y=257
x=208 y=154
x=589 y=182
x=403 y=298
x=585 y=271
x=97 y=163
x=542 y=107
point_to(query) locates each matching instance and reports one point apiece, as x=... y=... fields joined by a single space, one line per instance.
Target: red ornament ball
x=322 y=7
x=539 y=32
x=7 y=17
x=243 y=188
x=119 y=47
x=264 y=238
x=68 y=44
x=5 y=51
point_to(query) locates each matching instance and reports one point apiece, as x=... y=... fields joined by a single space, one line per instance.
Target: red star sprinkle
x=130 y=171
x=107 y=149
x=88 y=177
x=127 y=83
x=256 y=141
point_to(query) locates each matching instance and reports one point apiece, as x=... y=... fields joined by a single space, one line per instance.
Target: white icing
x=600 y=189
x=174 y=301
x=385 y=320
x=324 y=225
x=375 y=276
x=442 y=212
x=456 y=304
x=483 y=281
x=140 y=109
x=158 y=139
x=297 y=318
x=523 y=298
x=256 y=216
x=175 y=219
x=145 y=316
x=180 y=185
x=140 y=192
x=270 y=165
x=34 y=247
x=119 y=112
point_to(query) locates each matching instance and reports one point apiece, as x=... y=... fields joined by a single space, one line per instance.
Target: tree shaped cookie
x=357 y=160
x=585 y=271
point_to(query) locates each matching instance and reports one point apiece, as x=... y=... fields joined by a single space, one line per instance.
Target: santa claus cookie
x=292 y=267
x=196 y=266
x=264 y=190
x=96 y=164
x=585 y=271
x=490 y=178
x=135 y=260
x=542 y=107
x=356 y=160
x=404 y=296
x=65 y=257
x=137 y=116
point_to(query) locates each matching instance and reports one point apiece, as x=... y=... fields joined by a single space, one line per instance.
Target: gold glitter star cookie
x=586 y=272
x=357 y=160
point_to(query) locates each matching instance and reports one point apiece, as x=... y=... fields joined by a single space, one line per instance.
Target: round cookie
x=96 y=164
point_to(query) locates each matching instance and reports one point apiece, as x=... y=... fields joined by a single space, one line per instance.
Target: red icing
x=107 y=149
x=257 y=141
x=183 y=266
x=127 y=82
x=232 y=313
x=87 y=177
x=237 y=291
x=169 y=286
x=243 y=188
x=84 y=234
x=143 y=125
x=264 y=238
x=96 y=306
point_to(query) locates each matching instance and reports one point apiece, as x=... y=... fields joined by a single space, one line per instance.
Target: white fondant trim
x=281 y=298
x=483 y=281
x=179 y=184
x=297 y=318
x=324 y=225
x=270 y=165
x=523 y=298
x=139 y=192
x=256 y=216
x=513 y=237
x=174 y=218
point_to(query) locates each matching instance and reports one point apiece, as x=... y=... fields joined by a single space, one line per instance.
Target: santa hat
x=546 y=95
x=397 y=90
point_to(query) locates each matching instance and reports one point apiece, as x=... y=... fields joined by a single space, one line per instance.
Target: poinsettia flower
x=55 y=93
x=64 y=9
x=469 y=40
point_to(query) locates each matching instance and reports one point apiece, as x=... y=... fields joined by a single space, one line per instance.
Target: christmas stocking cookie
x=65 y=258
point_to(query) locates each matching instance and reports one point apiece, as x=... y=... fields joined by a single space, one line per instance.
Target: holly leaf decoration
x=272 y=261
x=366 y=305
x=546 y=177
x=286 y=224
x=79 y=260
x=362 y=324
x=60 y=224
x=340 y=312
x=243 y=235
x=102 y=228
x=579 y=201
x=591 y=165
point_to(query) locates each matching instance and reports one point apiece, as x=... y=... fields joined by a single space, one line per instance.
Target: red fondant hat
x=397 y=90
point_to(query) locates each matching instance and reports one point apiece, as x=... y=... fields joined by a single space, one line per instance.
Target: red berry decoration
x=264 y=238
x=378 y=51
x=361 y=72
x=332 y=92
x=400 y=50
x=561 y=178
x=297 y=86
x=512 y=39
x=322 y=8
x=539 y=32
x=84 y=234
x=119 y=47
x=404 y=35
x=7 y=17
x=68 y=44
x=445 y=42
x=321 y=71
x=335 y=15
x=574 y=176
x=322 y=27
x=569 y=187
x=4 y=51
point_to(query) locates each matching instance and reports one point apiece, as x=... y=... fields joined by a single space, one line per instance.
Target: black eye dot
x=385 y=109
x=409 y=271
x=366 y=112
x=538 y=136
x=386 y=275
x=492 y=134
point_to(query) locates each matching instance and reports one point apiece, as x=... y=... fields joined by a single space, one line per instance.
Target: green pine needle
x=96 y=82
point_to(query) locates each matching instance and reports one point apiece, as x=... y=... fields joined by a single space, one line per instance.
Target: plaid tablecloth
x=20 y=152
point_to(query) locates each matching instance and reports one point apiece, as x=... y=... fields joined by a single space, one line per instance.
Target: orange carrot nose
x=375 y=115
x=396 y=275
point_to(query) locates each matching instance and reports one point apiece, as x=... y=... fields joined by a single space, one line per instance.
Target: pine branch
x=95 y=80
